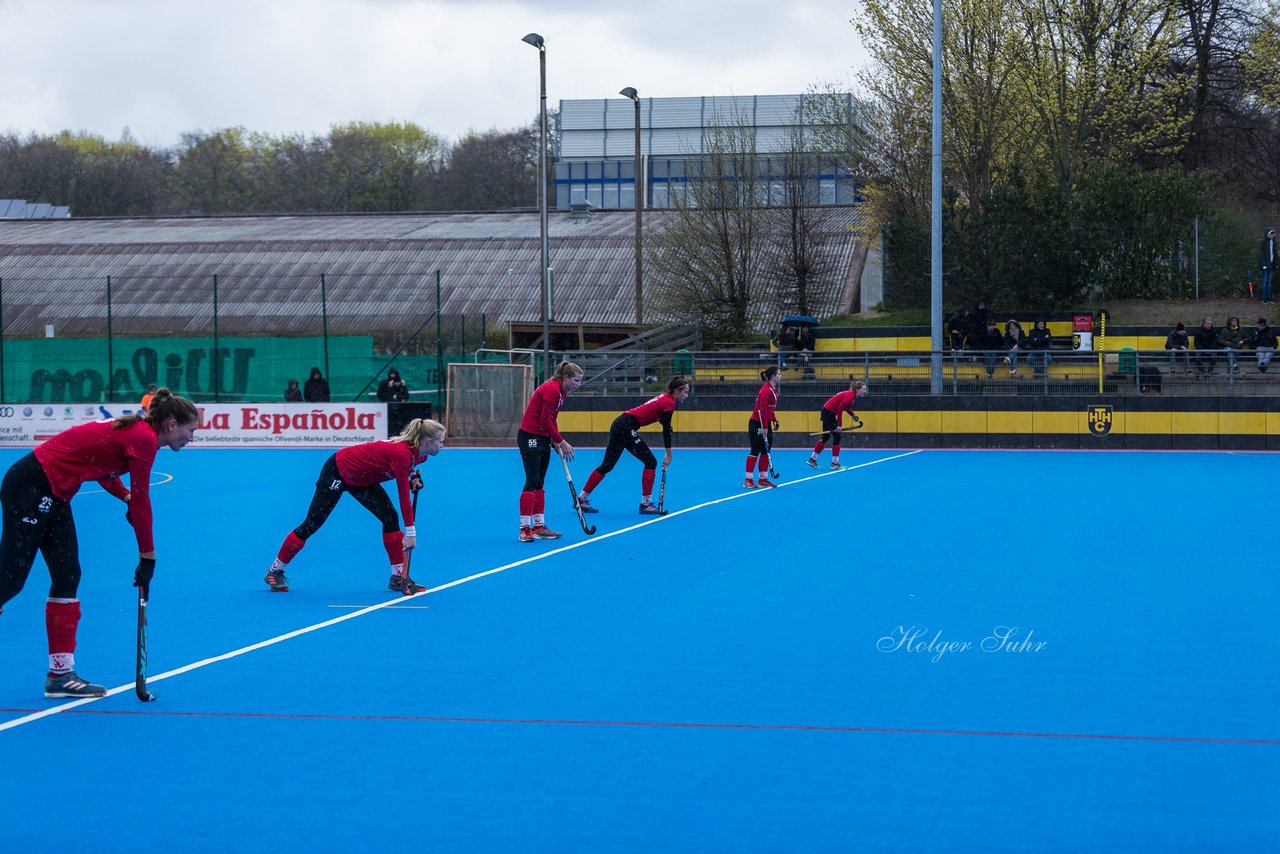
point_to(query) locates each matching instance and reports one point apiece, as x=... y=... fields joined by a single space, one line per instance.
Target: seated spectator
x=1178 y=343
x=1206 y=341
x=1232 y=340
x=316 y=389
x=991 y=343
x=1264 y=342
x=292 y=394
x=958 y=328
x=1039 y=341
x=393 y=389
x=1016 y=343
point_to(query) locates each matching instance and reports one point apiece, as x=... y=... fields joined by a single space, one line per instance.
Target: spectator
x=1267 y=262
x=805 y=342
x=958 y=328
x=1206 y=340
x=1264 y=342
x=1232 y=340
x=991 y=343
x=978 y=322
x=292 y=394
x=316 y=389
x=393 y=389
x=1178 y=343
x=145 y=404
x=1016 y=343
x=1038 y=343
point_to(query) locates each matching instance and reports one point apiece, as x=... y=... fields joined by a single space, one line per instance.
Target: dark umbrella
x=800 y=320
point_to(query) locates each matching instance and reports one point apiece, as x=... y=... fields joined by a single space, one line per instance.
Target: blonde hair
x=418 y=429
x=564 y=370
x=857 y=384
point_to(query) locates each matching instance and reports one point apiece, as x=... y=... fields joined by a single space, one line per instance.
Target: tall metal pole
x=441 y=380
x=111 y=391
x=1 y=340
x=540 y=43
x=214 y=372
x=324 y=315
x=935 y=373
x=631 y=93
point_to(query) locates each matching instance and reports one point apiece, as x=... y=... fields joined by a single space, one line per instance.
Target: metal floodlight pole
x=631 y=93
x=935 y=373
x=540 y=43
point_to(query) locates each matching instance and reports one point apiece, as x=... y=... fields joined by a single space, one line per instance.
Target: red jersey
x=654 y=410
x=102 y=452
x=540 y=415
x=378 y=462
x=766 y=404
x=842 y=402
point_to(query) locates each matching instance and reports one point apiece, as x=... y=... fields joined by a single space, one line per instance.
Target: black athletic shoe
x=70 y=685
x=584 y=504
x=276 y=581
x=649 y=509
x=397 y=583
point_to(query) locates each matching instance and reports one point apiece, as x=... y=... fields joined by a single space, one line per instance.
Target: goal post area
x=485 y=401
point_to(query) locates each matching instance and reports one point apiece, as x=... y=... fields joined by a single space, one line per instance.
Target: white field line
x=235 y=653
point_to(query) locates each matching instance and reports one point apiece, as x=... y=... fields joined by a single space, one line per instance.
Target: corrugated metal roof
x=379 y=271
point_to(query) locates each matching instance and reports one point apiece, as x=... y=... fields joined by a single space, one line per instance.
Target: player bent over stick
x=538 y=432
x=760 y=427
x=624 y=434
x=36 y=500
x=831 y=412
x=361 y=470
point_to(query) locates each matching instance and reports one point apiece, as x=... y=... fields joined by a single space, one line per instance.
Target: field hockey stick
x=662 y=492
x=140 y=671
x=409 y=587
x=573 y=493
x=768 y=449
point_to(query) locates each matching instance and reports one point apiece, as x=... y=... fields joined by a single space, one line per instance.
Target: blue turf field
x=726 y=678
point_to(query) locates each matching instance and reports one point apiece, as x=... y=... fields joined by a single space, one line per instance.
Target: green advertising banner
x=87 y=370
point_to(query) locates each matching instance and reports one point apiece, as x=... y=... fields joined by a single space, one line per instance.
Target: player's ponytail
x=565 y=370
x=769 y=373
x=164 y=405
x=677 y=382
x=857 y=384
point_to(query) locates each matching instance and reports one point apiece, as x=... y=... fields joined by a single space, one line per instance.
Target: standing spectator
x=1233 y=339
x=1206 y=341
x=1039 y=340
x=292 y=394
x=1178 y=343
x=1016 y=343
x=1267 y=262
x=958 y=329
x=36 y=499
x=1264 y=342
x=393 y=389
x=145 y=404
x=316 y=389
x=978 y=322
x=991 y=343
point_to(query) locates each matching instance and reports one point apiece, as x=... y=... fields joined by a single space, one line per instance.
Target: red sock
x=61 y=617
x=751 y=465
x=593 y=481
x=817 y=449
x=394 y=544
x=764 y=464
x=290 y=547
x=526 y=503
x=539 y=502
x=646 y=481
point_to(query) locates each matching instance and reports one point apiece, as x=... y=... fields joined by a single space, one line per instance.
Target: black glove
x=773 y=425
x=127 y=517
x=415 y=481
x=143 y=574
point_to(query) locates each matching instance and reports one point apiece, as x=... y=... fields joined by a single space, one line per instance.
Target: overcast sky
x=161 y=67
